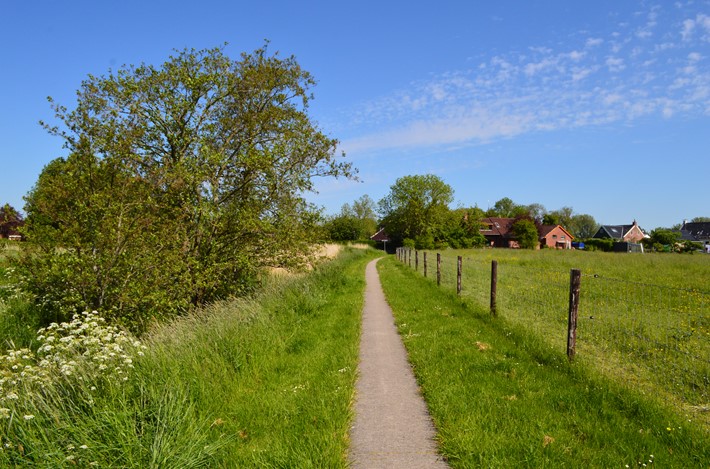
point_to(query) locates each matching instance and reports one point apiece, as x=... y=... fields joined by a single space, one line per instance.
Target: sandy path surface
x=392 y=425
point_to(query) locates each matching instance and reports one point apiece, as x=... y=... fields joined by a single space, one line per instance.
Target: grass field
x=643 y=319
x=502 y=397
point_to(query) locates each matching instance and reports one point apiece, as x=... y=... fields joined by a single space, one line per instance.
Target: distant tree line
x=417 y=212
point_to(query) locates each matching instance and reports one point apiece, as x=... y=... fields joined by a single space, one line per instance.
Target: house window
x=554 y=236
x=563 y=237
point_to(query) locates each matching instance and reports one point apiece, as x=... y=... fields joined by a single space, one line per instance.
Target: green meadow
x=502 y=396
x=643 y=319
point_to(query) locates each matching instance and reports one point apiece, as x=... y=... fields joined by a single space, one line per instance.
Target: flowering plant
x=85 y=349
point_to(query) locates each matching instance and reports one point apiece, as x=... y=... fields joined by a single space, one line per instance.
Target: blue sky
x=603 y=106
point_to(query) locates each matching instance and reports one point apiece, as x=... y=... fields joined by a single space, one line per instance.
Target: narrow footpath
x=392 y=425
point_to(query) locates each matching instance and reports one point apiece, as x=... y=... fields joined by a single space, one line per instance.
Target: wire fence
x=653 y=338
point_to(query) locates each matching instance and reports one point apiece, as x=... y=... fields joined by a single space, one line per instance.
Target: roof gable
x=380 y=235
x=547 y=229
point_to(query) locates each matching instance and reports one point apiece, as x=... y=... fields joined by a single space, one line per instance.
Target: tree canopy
x=182 y=180
x=526 y=233
x=416 y=207
x=355 y=222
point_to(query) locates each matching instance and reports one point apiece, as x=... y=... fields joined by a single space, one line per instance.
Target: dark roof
x=695 y=231
x=380 y=235
x=545 y=230
x=498 y=226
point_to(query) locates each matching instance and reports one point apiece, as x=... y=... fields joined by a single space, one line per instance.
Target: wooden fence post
x=424 y=263
x=438 y=268
x=416 y=261
x=574 y=286
x=459 y=267
x=409 y=251
x=494 y=286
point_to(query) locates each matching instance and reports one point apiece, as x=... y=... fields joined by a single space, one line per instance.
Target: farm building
x=623 y=233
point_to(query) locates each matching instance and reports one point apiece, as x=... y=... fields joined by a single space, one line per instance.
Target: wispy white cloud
x=699 y=25
x=653 y=66
x=615 y=64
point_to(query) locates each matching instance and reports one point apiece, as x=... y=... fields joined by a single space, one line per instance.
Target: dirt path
x=392 y=425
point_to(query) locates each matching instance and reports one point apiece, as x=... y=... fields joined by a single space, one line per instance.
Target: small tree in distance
x=526 y=233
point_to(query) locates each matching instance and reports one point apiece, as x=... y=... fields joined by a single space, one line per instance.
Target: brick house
x=554 y=236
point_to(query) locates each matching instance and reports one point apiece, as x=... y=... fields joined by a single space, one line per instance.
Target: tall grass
x=501 y=397
x=18 y=316
x=263 y=382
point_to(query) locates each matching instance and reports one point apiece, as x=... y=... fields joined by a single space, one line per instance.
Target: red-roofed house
x=554 y=236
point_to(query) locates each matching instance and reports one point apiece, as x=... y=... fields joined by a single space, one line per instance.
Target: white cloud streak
x=600 y=81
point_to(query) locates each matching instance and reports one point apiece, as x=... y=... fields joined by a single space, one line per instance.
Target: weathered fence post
x=416 y=261
x=494 y=286
x=409 y=251
x=438 y=268
x=424 y=263
x=574 y=285
x=459 y=266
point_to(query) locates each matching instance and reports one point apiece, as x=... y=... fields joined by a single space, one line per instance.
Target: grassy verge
x=276 y=376
x=501 y=398
x=266 y=382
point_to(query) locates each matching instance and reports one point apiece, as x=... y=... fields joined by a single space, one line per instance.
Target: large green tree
x=416 y=208
x=181 y=181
